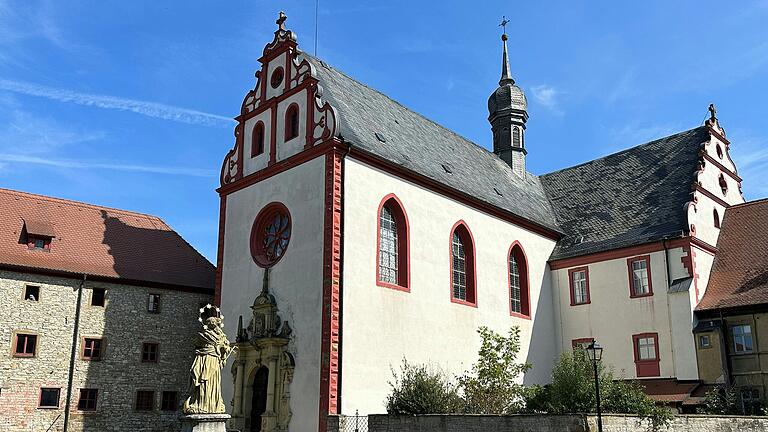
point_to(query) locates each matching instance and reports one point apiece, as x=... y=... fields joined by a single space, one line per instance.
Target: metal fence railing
x=353 y=423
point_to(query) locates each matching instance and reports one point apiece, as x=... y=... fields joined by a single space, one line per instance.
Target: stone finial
x=281 y=21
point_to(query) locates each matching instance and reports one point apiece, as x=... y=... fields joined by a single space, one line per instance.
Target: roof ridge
x=622 y=151
x=748 y=203
x=79 y=204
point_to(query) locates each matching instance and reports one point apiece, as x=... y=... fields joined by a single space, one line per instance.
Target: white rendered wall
x=381 y=326
x=295 y=281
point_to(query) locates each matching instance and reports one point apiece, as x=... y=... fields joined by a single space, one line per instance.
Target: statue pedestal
x=204 y=422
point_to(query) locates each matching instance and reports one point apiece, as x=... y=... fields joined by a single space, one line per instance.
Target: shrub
x=419 y=389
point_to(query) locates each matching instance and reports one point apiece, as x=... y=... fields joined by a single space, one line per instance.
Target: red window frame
x=630 y=274
x=468 y=241
x=257 y=139
x=258 y=233
x=403 y=244
x=26 y=336
x=89 y=346
x=150 y=352
x=525 y=293
x=572 y=288
x=649 y=367
x=58 y=398
x=88 y=399
x=292 y=122
x=145 y=400
x=576 y=342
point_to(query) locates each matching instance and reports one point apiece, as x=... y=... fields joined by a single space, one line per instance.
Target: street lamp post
x=595 y=352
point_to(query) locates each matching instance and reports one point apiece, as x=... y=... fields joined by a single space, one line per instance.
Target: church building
x=355 y=232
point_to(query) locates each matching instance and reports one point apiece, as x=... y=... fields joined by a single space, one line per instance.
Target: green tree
x=493 y=386
x=722 y=400
x=420 y=389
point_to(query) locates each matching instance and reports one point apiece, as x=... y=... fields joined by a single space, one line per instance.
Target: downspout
x=726 y=367
x=669 y=308
x=73 y=353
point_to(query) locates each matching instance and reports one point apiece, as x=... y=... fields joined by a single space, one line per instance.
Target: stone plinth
x=204 y=422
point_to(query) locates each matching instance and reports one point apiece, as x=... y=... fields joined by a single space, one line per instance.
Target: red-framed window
x=49 y=397
x=25 y=345
x=639 y=269
x=88 y=399
x=257 y=139
x=149 y=352
x=92 y=348
x=169 y=401
x=519 y=288
x=646 y=352
x=291 y=122
x=578 y=281
x=462 y=254
x=145 y=400
x=392 y=245
x=270 y=234
x=581 y=343
x=38 y=242
x=716 y=218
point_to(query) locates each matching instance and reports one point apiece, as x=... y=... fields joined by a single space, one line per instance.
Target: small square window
x=26 y=345
x=704 y=341
x=153 y=303
x=149 y=352
x=87 y=401
x=145 y=400
x=170 y=401
x=742 y=338
x=32 y=293
x=49 y=397
x=38 y=243
x=98 y=296
x=92 y=349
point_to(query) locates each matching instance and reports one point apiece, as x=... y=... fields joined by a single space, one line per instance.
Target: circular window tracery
x=270 y=234
x=277 y=77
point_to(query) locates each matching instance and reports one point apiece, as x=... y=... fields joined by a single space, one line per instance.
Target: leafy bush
x=492 y=387
x=419 y=389
x=726 y=400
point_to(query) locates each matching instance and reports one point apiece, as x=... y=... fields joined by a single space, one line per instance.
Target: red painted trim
x=272 y=137
x=647 y=259
x=618 y=253
x=449 y=192
x=255 y=150
x=275 y=100
x=293 y=107
x=570 y=284
x=403 y=244
x=722 y=167
x=330 y=340
x=718 y=135
x=220 y=249
x=701 y=244
x=646 y=368
x=260 y=222
x=471 y=263
x=711 y=196
x=525 y=286
x=576 y=342
x=309 y=134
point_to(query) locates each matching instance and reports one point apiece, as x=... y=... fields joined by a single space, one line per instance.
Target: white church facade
x=354 y=233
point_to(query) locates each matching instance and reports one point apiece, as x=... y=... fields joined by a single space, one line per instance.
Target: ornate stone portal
x=263 y=369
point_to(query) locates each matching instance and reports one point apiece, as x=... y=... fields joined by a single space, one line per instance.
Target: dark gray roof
x=420 y=145
x=628 y=198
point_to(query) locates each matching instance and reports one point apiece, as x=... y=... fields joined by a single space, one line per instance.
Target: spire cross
x=712 y=111
x=503 y=25
x=281 y=21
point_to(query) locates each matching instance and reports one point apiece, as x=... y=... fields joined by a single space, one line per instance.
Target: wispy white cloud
x=548 y=97
x=150 y=109
x=65 y=163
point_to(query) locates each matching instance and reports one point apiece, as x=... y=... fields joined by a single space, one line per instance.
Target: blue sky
x=127 y=104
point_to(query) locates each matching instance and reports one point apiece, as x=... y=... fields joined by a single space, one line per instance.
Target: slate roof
x=98 y=241
x=628 y=198
x=739 y=275
x=424 y=147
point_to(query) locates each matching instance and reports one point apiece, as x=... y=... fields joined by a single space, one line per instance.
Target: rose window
x=270 y=235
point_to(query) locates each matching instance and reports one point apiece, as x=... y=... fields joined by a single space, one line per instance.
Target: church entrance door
x=259 y=400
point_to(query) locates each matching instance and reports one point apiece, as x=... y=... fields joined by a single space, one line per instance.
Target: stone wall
x=564 y=423
x=124 y=324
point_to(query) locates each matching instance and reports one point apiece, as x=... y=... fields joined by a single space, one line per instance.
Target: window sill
x=48 y=407
x=463 y=302
x=650 y=294
x=395 y=287
x=520 y=315
x=24 y=356
x=582 y=304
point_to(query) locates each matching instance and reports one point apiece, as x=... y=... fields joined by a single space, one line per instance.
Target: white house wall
x=295 y=281
x=382 y=326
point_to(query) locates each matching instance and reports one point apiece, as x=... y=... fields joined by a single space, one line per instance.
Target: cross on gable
x=281 y=21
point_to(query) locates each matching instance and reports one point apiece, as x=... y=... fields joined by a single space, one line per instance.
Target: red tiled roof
x=740 y=272
x=671 y=390
x=98 y=241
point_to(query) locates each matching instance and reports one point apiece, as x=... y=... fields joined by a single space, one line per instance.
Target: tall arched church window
x=516 y=141
x=257 y=140
x=519 y=293
x=462 y=266
x=392 y=245
x=292 y=122
x=716 y=217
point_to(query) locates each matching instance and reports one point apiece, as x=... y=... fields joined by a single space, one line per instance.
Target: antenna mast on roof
x=317 y=6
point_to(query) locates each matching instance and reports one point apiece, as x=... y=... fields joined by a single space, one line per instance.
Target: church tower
x=508 y=113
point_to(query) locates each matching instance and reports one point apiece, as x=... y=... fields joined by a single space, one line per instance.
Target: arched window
x=723 y=184
x=516 y=137
x=716 y=217
x=257 y=140
x=292 y=122
x=392 y=245
x=462 y=266
x=519 y=294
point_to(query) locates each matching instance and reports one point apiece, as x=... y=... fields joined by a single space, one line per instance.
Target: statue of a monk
x=211 y=352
